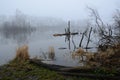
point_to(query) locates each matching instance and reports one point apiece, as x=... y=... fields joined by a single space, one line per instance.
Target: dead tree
x=104 y=31
x=73 y=43
x=83 y=35
x=98 y=22
x=88 y=38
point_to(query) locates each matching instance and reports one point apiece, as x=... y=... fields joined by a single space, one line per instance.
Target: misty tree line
x=16 y=27
x=17 y=24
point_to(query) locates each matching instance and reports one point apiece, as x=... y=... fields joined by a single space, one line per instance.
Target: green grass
x=24 y=70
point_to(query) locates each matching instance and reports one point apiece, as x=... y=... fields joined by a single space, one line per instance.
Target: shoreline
x=25 y=70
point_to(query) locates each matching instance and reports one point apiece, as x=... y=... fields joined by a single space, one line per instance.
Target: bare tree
x=98 y=22
x=104 y=30
x=88 y=38
x=83 y=35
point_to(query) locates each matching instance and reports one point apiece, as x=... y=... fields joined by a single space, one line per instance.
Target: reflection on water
x=11 y=36
x=18 y=34
x=38 y=43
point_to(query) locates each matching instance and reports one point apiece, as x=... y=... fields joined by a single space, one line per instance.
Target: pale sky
x=64 y=9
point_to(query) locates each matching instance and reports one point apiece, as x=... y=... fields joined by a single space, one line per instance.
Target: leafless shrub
x=116 y=18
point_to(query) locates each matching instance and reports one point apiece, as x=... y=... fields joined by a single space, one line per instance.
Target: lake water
x=39 y=41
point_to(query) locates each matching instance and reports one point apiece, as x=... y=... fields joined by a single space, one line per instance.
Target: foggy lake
x=39 y=38
x=50 y=17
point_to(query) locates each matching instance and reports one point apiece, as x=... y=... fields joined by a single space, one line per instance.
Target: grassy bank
x=24 y=70
x=20 y=68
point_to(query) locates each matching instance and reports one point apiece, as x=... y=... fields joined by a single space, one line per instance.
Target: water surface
x=38 y=40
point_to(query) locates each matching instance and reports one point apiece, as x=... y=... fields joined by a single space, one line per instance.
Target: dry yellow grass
x=93 y=64
x=22 y=53
x=80 y=52
x=109 y=57
x=89 y=56
x=51 y=53
x=105 y=54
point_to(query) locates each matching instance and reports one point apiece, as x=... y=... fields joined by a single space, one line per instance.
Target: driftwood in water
x=62 y=48
x=71 y=71
x=73 y=44
x=65 y=34
x=68 y=35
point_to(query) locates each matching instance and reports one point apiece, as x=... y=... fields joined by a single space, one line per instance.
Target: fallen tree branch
x=65 y=34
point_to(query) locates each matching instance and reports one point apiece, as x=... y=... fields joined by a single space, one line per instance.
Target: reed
x=51 y=53
x=22 y=53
